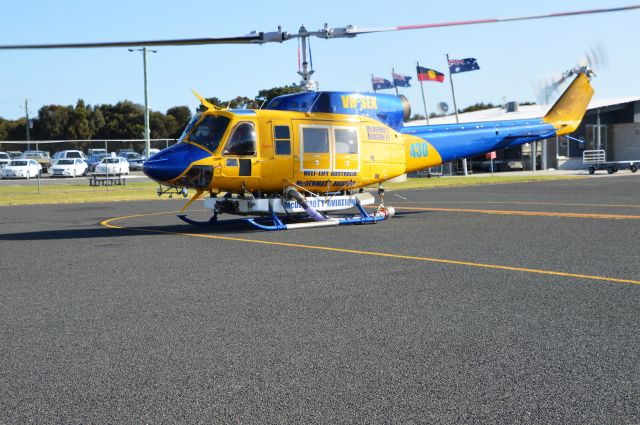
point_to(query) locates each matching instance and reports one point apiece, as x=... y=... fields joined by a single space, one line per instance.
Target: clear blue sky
x=511 y=55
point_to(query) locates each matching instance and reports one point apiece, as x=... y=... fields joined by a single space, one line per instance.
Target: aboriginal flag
x=428 y=74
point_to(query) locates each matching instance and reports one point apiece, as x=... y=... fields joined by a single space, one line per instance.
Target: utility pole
x=26 y=112
x=147 y=132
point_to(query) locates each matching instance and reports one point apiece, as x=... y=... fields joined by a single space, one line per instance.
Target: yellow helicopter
x=311 y=153
x=304 y=155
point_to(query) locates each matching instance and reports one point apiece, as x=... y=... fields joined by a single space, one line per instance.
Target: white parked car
x=69 y=168
x=4 y=159
x=152 y=152
x=112 y=165
x=21 y=169
x=68 y=155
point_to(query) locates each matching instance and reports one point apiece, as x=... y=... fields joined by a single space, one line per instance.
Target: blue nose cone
x=169 y=163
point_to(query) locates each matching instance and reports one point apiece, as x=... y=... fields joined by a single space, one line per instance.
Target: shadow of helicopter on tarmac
x=223 y=227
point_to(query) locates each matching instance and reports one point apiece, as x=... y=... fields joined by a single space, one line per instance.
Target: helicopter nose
x=169 y=163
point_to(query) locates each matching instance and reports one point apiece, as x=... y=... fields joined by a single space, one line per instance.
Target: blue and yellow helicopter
x=304 y=155
x=310 y=153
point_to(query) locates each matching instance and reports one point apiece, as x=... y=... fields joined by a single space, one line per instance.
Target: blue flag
x=400 y=80
x=380 y=83
x=463 y=65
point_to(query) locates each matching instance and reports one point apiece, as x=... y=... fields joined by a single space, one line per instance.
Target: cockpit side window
x=210 y=131
x=242 y=141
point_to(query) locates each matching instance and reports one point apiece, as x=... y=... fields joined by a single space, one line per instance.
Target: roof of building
x=523 y=112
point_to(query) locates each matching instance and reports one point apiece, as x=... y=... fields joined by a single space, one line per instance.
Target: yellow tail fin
x=566 y=114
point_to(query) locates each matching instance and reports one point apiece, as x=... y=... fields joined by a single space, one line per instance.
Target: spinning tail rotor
x=595 y=58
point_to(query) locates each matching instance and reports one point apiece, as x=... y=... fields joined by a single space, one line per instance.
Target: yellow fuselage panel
x=318 y=151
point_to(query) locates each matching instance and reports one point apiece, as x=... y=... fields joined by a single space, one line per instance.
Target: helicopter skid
x=269 y=210
x=382 y=213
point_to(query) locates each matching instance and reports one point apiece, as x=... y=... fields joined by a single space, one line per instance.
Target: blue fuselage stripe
x=453 y=141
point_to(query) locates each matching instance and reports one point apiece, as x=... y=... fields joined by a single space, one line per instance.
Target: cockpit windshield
x=210 y=131
x=189 y=127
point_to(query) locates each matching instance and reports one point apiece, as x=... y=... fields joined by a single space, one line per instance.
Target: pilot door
x=282 y=150
x=240 y=155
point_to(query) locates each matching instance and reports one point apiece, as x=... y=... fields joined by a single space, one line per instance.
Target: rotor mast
x=306 y=72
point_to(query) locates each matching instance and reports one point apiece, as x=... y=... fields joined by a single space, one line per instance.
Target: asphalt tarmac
x=513 y=303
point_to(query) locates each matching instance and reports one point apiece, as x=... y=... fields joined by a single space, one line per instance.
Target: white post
x=424 y=102
x=147 y=135
x=455 y=107
x=393 y=71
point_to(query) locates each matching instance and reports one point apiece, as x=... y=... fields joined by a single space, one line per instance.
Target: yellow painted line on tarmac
x=109 y=223
x=527 y=213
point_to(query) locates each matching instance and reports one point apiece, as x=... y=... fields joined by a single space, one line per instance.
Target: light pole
x=147 y=135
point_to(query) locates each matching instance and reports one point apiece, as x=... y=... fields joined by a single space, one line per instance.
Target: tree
x=52 y=122
x=278 y=91
x=16 y=130
x=477 y=107
x=78 y=127
x=124 y=120
x=96 y=120
x=182 y=114
x=3 y=129
x=158 y=125
x=177 y=119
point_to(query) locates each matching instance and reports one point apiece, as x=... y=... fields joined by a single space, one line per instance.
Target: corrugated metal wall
x=626 y=144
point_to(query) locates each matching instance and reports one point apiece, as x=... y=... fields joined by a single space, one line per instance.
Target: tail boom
x=447 y=142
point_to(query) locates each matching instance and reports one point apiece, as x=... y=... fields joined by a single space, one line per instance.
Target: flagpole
x=453 y=92
x=393 y=71
x=373 y=85
x=424 y=102
x=455 y=107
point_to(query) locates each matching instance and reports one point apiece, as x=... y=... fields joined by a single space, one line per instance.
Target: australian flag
x=463 y=65
x=380 y=83
x=400 y=80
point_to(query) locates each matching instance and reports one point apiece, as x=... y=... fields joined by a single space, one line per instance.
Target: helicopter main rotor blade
x=280 y=36
x=256 y=38
x=353 y=31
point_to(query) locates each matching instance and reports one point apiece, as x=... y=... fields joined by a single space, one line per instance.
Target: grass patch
x=459 y=181
x=78 y=193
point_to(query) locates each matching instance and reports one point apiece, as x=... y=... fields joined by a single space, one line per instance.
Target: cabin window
x=315 y=140
x=242 y=141
x=210 y=131
x=346 y=140
x=282 y=139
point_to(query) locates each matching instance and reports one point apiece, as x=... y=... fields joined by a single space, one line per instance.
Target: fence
x=111 y=145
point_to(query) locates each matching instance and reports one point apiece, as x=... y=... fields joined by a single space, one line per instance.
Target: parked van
x=70 y=154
